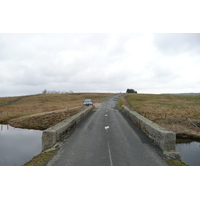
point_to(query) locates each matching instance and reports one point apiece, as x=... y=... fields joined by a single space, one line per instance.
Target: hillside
x=44 y=110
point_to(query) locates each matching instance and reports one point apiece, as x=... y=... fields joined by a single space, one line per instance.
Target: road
x=107 y=137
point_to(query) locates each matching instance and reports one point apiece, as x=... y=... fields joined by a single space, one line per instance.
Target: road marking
x=110 y=157
x=106 y=115
x=106 y=127
x=109 y=152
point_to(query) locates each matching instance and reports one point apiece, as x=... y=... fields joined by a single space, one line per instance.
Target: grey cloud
x=158 y=71
x=176 y=43
x=30 y=63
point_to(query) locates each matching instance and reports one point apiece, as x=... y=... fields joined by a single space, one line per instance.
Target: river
x=18 y=146
x=190 y=151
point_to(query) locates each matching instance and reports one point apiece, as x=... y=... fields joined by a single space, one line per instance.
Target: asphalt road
x=106 y=137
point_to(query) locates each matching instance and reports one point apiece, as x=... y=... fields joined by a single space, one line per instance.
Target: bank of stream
x=18 y=146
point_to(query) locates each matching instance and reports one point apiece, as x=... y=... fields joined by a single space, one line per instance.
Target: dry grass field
x=55 y=104
x=177 y=113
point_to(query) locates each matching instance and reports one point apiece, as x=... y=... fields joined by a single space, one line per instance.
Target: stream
x=189 y=150
x=18 y=146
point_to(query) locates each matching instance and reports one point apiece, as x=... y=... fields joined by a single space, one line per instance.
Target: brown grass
x=45 y=103
x=40 y=159
x=172 y=112
x=4 y=100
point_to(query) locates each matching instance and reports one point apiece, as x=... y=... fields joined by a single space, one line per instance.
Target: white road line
x=110 y=157
x=106 y=115
x=109 y=152
x=106 y=127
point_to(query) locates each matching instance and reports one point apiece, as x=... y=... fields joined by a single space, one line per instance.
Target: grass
x=43 y=121
x=120 y=103
x=40 y=159
x=175 y=162
x=4 y=100
x=45 y=103
x=169 y=111
x=181 y=106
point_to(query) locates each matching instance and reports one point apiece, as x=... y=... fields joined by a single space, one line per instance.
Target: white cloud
x=157 y=63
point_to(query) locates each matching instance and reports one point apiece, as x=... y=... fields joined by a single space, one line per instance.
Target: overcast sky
x=148 y=63
x=82 y=46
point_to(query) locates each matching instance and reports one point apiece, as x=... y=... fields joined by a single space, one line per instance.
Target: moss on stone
x=172 y=162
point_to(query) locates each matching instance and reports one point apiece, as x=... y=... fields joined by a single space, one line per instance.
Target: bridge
x=105 y=137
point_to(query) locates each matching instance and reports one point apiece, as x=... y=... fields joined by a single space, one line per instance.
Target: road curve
x=106 y=137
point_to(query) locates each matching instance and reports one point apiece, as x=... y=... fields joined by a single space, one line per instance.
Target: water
x=18 y=146
x=190 y=152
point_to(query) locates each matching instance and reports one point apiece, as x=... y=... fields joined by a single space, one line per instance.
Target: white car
x=87 y=102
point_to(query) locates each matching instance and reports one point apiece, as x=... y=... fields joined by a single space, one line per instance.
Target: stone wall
x=53 y=134
x=165 y=139
x=17 y=99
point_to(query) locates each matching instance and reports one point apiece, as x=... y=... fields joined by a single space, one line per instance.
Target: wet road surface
x=106 y=137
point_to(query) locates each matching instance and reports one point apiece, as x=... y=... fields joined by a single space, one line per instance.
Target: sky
x=91 y=46
x=99 y=62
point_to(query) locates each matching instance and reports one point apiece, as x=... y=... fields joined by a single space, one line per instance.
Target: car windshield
x=87 y=100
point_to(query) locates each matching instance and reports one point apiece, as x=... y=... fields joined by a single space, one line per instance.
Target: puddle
x=190 y=152
x=18 y=146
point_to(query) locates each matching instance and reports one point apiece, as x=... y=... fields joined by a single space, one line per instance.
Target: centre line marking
x=110 y=157
x=106 y=127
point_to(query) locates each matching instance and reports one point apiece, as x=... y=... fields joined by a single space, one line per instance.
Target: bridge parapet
x=53 y=134
x=165 y=139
